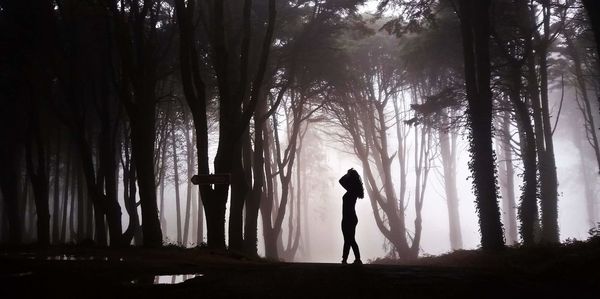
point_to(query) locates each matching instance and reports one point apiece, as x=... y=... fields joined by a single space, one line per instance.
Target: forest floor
x=561 y=271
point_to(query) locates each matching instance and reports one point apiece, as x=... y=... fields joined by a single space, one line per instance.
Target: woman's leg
x=353 y=242
x=346 y=231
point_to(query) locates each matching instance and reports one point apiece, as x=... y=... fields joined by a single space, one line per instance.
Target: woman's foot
x=357 y=262
x=344 y=262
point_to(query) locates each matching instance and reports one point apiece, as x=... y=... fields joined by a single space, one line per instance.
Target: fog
x=283 y=99
x=322 y=240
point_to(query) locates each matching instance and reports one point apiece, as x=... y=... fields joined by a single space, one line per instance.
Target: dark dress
x=349 y=221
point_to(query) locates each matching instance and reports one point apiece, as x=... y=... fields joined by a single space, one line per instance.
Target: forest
x=225 y=125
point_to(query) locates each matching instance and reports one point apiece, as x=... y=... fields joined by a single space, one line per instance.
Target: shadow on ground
x=546 y=272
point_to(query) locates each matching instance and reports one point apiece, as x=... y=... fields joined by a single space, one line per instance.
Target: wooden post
x=211 y=179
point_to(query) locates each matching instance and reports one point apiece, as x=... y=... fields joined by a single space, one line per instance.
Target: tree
x=176 y=181
x=189 y=207
x=583 y=101
x=546 y=160
x=26 y=87
x=296 y=118
x=474 y=17
x=511 y=40
x=231 y=68
x=475 y=28
x=136 y=37
x=441 y=108
x=194 y=90
x=10 y=126
x=507 y=179
x=133 y=231
x=362 y=110
x=593 y=9
x=38 y=175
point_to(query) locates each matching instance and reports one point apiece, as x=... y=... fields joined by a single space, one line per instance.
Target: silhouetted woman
x=354 y=189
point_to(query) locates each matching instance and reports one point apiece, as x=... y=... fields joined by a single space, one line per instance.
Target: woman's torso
x=348 y=212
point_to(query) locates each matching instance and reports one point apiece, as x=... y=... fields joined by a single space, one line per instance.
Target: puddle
x=61 y=257
x=65 y=257
x=165 y=279
x=174 y=279
x=22 y=274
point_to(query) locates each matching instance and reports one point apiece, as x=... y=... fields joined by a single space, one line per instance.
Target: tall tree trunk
x=190 y=173
x=474 y=17
x=239 y=185
x=285 y=163
x=232 y=121
x=31 y=223
x=90 y=216
x=135 y=34
x=161 y=187
x=24 y=206
x=195 y=95
x=305 y=222
x=176 y=174
x=94 y=188
x=74 y=184
x=81 y=229
x=590 y=182
x=534 y=95
x=66 y=188
x=9 y=158
x=266 y=205
x=200 y=219
x=239 y=191
x=109 y=171
x=549 y=188
x=27 y=228
x=129 y=191
x=40 y=191
x=56 y=189
x=197 y=209
x=422 y=160
x=194 y=217
x=528 y=210
x=448 y=154
x=9 y=174
x=295 y=229
x=401 y=135
x=258 y=168
x=142 y=143
x=508 y=187
x=38 y=175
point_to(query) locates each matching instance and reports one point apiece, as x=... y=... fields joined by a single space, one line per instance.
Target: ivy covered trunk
x=475 y=28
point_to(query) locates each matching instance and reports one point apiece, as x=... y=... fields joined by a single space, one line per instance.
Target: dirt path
x=105 y=277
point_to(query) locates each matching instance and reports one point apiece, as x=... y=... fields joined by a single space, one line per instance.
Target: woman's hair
x=352 y=183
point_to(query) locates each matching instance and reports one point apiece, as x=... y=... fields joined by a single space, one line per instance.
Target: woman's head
x=352 y=183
